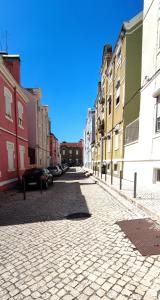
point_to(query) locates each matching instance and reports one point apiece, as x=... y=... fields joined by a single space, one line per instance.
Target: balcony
x=101 y=127
x=101 y=99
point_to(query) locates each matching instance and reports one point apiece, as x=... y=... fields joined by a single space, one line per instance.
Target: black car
x=56 y=170
x=38 y=176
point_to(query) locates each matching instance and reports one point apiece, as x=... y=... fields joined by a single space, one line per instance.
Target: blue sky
x=60 y=43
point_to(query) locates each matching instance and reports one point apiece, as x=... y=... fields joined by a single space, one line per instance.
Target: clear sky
x=60 y=43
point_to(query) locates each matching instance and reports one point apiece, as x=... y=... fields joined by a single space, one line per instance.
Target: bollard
x=120 y=180
x=111 y=175
x=24 y=188
x=106 y=172
x=135 y=185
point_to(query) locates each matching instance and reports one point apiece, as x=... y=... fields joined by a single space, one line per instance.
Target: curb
x=114 y=193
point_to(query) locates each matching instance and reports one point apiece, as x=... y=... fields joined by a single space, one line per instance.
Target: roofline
x=126 y=26
x=12 y=80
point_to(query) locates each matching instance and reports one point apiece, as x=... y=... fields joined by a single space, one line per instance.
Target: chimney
x=107 y=54
x=12 y=62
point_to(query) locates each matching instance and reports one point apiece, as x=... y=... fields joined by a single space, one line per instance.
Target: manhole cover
x=79 y=215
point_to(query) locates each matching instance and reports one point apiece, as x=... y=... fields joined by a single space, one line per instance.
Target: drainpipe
x=112 y=123
x=16 y=129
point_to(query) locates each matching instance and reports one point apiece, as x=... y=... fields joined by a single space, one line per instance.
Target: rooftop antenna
x=6 y=37
x=1 y=42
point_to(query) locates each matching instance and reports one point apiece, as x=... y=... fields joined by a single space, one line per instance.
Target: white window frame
x=77 y=152
x=158 y=38
x=63 y=151
x=8 y=104
x=10 y=145
x=70 y=151
x=155 y=181
x=158 y=114
x=20 y=114
x=119 y=57
x=22 y=157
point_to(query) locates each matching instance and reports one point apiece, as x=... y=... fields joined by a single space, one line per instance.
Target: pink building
x=54 y=150
x=13 y=122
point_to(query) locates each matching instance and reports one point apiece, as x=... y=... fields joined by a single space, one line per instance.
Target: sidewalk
x=148 y=199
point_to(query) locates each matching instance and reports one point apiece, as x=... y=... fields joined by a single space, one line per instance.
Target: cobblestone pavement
x=45 y=256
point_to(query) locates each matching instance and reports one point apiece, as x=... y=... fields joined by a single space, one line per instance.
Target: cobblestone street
x=45 y=256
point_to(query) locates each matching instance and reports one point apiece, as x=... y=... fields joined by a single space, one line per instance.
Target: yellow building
x=116 y=75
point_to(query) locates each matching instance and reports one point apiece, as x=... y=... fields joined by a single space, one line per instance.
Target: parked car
x=55 y=171
x=65 y=167
x=34 y=177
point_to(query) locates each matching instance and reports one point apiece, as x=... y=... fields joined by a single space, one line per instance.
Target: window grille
x=132 y=132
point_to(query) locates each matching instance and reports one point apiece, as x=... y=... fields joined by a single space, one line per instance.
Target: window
x=119 y=57
x=110 y=75
x=70 y=151
x=116 y=144
x=156 y=174
x=21 y=155
x=63 y=151
x=8 y=103
x=10 y=152
x=77 y=152
x=20 y=114
x=117 y=100
x=109 y=105
x=115 y=167
x=158 y=115
x=117 y=92
x=132 y=132
x=158 y=42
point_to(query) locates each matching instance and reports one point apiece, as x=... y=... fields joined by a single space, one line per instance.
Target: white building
x=144 y=155
x=38 y=129
x=89 y=136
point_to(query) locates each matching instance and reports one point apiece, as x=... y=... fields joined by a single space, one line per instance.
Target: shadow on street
x=60 y=200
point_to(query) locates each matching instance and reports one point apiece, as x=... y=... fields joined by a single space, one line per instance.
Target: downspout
x=112 y=123
x=16 y=131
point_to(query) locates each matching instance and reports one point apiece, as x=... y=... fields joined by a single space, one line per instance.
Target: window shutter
x=21 y=153
x=10 y=150
x=8 y=102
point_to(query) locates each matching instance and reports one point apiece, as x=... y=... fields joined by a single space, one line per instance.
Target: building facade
x=144 y=156
x=72 y=153
x=89 y=139
x=120 y=78
x=13 y=122
x=43 y=158
x=38 y=129
x=54 y=150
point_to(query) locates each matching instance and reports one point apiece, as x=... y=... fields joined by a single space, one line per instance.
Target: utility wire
x=142 y=87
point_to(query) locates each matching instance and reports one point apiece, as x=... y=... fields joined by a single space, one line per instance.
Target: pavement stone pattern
x=45 y=256
x=147 y=197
